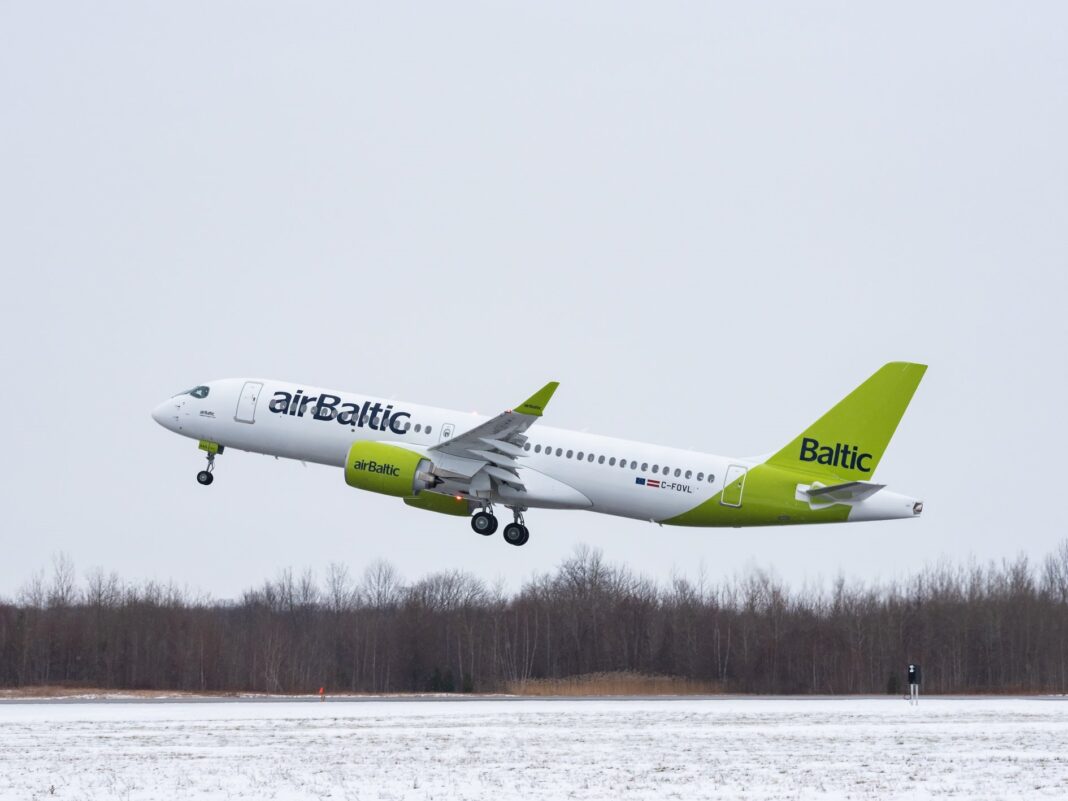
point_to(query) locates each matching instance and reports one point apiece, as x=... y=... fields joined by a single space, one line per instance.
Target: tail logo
x=839 y=455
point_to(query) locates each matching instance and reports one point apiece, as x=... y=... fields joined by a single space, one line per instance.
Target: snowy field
x=535 y=749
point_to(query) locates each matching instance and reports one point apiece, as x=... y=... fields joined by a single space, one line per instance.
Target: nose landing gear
x=205 y=477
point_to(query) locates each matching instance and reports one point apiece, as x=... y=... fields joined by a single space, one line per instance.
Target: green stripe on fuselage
x=767 y=499
x=845 y=444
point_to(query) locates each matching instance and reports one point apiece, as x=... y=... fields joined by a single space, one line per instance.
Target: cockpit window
x=197 y=392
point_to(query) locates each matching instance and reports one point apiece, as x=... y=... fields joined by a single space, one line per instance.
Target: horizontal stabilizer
x=849 y=492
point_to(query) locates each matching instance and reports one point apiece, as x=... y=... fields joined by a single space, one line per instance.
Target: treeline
x=1000 y=628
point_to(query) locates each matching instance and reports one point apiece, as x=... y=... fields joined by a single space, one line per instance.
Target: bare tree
x=996 y=627
x=63 y=590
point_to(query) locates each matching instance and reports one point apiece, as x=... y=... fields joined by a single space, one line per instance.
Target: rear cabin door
x=246 y=404
x=733 y=485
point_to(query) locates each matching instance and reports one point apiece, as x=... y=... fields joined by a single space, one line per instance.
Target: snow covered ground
x=504 y=749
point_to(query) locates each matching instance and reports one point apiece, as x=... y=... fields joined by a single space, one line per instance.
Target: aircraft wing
x=490 y=451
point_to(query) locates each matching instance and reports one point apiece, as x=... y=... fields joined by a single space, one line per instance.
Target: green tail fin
x=848 y=442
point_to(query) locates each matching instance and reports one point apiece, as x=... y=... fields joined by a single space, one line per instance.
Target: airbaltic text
x=376 y=467
x=331 y=407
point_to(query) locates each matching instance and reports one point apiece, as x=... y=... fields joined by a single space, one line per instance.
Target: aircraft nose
x=166 y=414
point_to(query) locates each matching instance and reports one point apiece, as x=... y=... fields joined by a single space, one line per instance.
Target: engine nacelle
x=442 y=504
x=388 y=469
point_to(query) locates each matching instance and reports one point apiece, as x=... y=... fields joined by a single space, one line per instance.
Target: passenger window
x=600 y=459
x=612 y=462
x=633 y=465
x=537 y=449
x=418 y=427
x=689 y=473
x=428 y=429
x=559 y=451
x=589 y=458
x=711 y=479
x=645 y=466
x=526 y=446
x=667 y=471
x=581 y=456
x=656 y=468
x=700 y=476
x=570 y=453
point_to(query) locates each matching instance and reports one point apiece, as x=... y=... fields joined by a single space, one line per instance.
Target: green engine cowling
x=388 y=469
x=393 y=470
x=442 y=504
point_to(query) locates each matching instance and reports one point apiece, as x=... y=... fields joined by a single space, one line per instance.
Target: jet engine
x=388 y=469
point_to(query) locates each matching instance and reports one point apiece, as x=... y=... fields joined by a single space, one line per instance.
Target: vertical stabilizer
x=849 y=440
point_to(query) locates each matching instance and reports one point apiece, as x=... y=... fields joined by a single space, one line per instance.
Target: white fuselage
x=561 y=469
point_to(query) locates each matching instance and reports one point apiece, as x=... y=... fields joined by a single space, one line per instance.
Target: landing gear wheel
x=516 y=534
x=205 y=477
x=484 y=523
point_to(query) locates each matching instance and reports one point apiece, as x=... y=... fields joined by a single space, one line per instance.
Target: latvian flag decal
x=648 y=482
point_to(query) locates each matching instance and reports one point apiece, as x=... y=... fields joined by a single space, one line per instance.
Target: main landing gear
x=516 y=534
x=485 y=523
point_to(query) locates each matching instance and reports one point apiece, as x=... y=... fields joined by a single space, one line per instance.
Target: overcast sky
x=709 y=222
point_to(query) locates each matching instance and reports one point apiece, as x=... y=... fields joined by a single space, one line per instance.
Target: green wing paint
x=536 y=403
x=860 y=425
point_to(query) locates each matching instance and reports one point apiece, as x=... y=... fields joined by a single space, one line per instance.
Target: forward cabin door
x=246 y=404
x=733 y=485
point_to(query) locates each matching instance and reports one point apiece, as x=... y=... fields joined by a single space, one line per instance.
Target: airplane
x=449 y=462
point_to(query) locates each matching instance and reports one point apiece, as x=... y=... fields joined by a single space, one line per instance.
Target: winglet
x=536 y=403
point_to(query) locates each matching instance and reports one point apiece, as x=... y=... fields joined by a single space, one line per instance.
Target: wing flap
x=504 y=447
x=503 y=475
x=499 y=459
